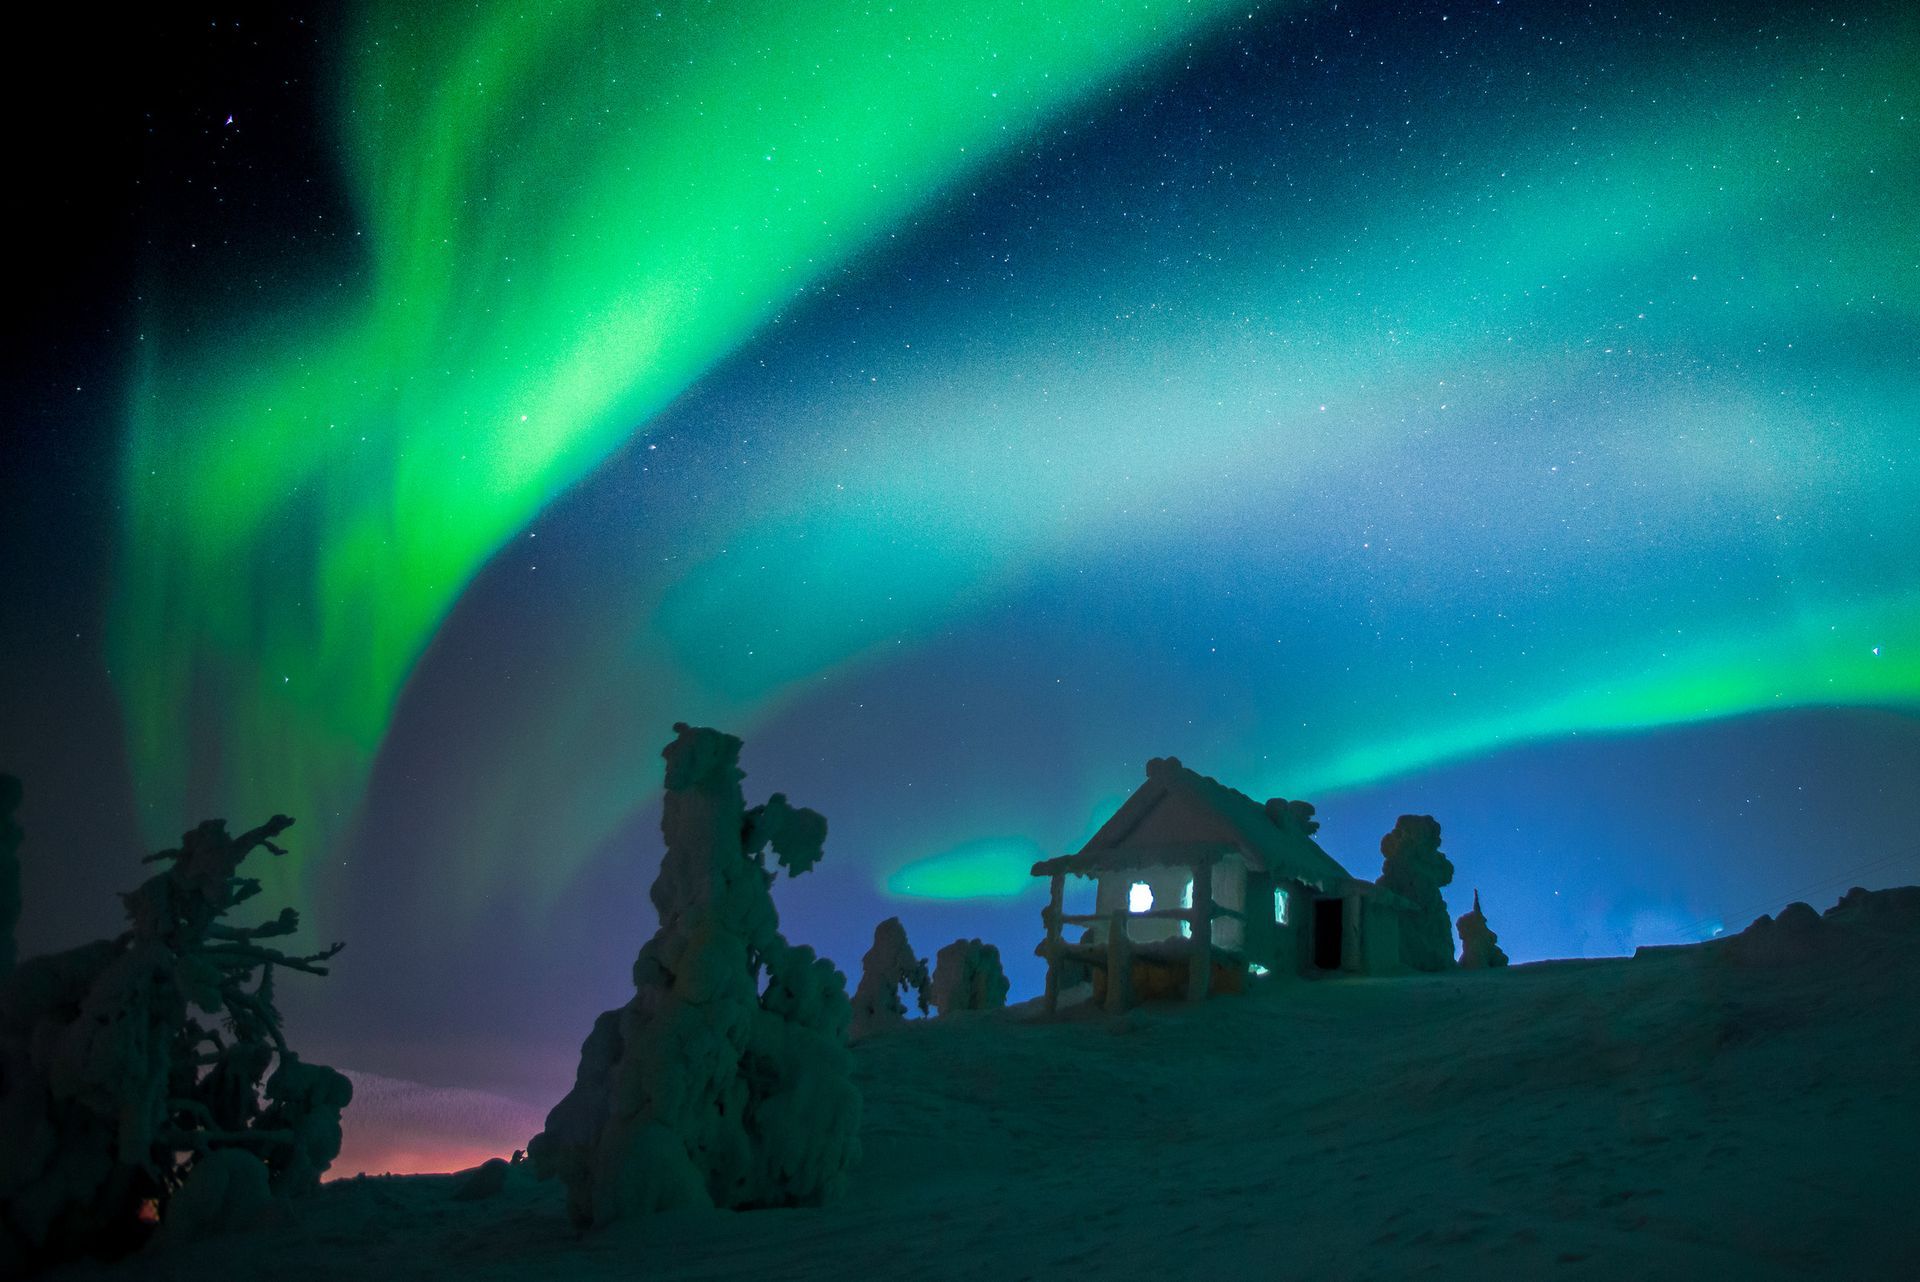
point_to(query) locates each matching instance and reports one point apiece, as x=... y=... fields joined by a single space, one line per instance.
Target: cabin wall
x=1295 y=941
x=1381 y=942
x=1168 y=885
x=1283 y=947
x=1258 y=933
x=1353 y=937
x=1230 y=891
x=1292 y=947
x=1369 y=931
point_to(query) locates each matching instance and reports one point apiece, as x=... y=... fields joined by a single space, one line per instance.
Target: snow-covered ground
x=1678 y=1115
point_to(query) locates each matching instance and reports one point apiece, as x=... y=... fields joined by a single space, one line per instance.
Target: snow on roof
x=1179 y=815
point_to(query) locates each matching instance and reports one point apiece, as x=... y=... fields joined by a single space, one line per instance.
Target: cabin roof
x=1179 y=816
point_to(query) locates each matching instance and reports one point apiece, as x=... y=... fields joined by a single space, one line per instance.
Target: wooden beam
x=1119 y=963
x=1152 y=914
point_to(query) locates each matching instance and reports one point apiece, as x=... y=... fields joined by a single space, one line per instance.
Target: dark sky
x=1499 y=411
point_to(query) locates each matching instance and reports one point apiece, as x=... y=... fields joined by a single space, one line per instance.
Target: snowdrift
x=1742 y=1109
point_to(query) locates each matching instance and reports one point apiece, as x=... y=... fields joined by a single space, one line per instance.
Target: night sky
x=1504 y=411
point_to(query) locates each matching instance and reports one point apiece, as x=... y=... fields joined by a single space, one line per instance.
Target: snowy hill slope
x=1691 y=1113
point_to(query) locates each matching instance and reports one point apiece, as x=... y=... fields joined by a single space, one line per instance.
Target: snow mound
x=1863 y=922
x=1672 y=1117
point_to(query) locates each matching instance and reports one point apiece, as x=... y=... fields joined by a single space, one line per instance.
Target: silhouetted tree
x=1415 y=868
x=130 y=1064
x=888 y=969
x=726 y=1080
x=1479 y=946
x=967 y=975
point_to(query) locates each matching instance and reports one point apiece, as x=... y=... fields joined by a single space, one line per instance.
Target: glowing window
x=1186 y=901
x=1256 y=969
x=1140 y=898
x=1280 y=906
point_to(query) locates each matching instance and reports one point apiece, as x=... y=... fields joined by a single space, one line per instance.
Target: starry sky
x=1504 y=411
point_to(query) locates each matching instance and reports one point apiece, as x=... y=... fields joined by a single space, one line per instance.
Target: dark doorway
x=1329 y=919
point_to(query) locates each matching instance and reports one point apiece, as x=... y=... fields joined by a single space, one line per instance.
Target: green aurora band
x=569 y=216
x=303 y=513
x=1731 y=216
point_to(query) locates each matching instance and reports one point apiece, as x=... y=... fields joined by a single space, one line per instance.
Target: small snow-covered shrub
x=1479 y=946
x=888 y=968
x=967 y=976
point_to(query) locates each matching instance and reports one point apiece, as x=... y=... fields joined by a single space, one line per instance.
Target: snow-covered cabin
x=1198 y=883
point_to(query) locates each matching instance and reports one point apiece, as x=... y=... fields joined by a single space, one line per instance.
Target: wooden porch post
x=1052 y=918
x=1119 y=963
x=1200 y=966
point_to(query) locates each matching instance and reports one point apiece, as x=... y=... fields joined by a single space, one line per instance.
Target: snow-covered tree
x=726 y=1080
x=888 y=969
x=1415 y=868
x=127 y=1064
x=1479 y=946
x=967 y=975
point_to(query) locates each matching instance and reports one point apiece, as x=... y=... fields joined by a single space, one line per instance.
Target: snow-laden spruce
x=967 y=975
x=726 y=1080
x=1479 y=946
x=1414 y=868
x=146 y=1077
x=888 y=969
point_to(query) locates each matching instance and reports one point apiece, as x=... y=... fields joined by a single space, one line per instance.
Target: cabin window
x=1186 y=901
x=1255 y=968
x=1140 y=898
x=1280 y=907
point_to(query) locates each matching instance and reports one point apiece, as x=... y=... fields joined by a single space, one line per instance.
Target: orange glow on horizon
x=413 y=1157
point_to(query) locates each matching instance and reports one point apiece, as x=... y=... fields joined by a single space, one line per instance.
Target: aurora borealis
x=1404 y=406
x=542 y=272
